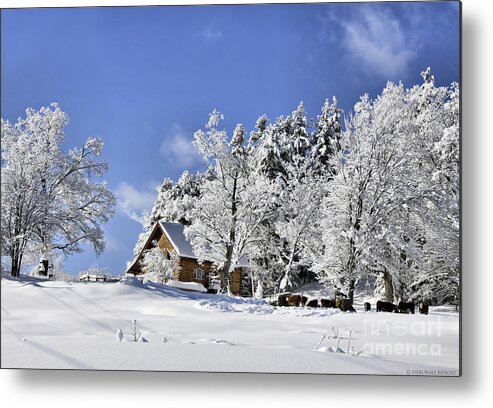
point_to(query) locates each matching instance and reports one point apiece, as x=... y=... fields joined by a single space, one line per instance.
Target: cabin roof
x=175 y=233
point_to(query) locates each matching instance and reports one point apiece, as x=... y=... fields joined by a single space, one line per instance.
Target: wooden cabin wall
x=164 y=243
x=236 y=281
x=187 y=267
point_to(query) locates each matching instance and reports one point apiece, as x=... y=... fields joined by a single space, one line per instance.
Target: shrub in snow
x=95 y=273
x=337 y=348
x=119 y=335
x=158 y=267
x=135 y=333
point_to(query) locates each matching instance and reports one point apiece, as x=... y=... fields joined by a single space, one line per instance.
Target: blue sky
x=145 y=78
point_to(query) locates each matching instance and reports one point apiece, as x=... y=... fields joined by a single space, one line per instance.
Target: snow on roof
x=174 y=232
x=243 y=261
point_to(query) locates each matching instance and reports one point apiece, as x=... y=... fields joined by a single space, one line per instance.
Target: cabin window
x=198 y=273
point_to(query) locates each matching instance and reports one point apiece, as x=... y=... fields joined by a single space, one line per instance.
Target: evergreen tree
x=326 y=138
x=299 y=129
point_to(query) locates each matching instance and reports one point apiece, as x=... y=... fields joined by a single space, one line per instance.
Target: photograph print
x=256 y=188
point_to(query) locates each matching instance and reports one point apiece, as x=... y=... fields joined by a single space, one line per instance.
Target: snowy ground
x=58 y=325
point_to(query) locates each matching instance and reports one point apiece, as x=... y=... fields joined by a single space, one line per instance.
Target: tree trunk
x=286 y=276
x=252 y=283
x=259 y=291
x=232 y=237
x=16 y=260
x=15 y=270
x=227 y=264
x=388 y=286
x=352 y=283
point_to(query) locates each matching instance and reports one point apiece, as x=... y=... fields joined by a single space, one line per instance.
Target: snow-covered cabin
x=170 y=238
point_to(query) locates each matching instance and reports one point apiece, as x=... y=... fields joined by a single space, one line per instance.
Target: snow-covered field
x=59 y=325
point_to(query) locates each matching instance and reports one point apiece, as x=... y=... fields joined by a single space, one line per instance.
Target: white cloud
x=210 y=33
x=112 y=244
x=134 y=203
x=375 y=42
x=178 y=150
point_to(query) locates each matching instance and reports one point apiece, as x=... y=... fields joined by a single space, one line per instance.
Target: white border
x=132 y=389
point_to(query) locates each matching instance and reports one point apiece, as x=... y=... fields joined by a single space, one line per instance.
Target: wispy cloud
x=112 y=244
x=133 y=202
x=178 y=150
x=375 y=41
x=211 y=33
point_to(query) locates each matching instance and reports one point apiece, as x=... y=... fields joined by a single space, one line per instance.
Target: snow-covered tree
x=436 y=113
x=158 y=267
x=257 y=134
x=265 y=253
x=274 y=148
x=379 y=198
x=154 y=265
x=233 y=201
x=372 y=183
x=298 y=218
x=174 y=203
x=283 y=151
x=326 y=138
x=300 y=136
x=165 y=196
x=395 y=192
x=50 y=198
x=20 y=197
x=95 y=272
x=141 y=240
